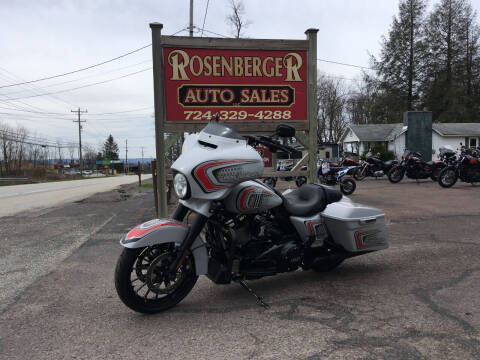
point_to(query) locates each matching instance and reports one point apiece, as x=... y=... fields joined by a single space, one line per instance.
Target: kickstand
x=259 y=298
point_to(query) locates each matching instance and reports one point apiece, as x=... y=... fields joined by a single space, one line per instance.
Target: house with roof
x=360 y=138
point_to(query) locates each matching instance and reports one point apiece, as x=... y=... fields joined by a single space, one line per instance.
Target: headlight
x=180 y=184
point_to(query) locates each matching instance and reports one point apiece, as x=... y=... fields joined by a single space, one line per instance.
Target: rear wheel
x=396 y=174
x=145 y=284
x=360 y=173
x=447 y=178
x=347 y=186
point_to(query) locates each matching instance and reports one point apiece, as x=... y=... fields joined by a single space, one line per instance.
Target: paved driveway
x=416 y=300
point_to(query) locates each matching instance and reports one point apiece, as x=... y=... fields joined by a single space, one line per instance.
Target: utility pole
x=191 y=18
x=142 y=155
x=79 y=112
x=126 y=156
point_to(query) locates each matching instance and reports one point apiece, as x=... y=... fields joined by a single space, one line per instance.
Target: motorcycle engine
x=264 y=248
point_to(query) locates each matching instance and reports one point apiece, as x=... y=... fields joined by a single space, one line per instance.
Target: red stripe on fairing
x=137 y=232
x=241 y=202
x=201 y=174
x=310 y=227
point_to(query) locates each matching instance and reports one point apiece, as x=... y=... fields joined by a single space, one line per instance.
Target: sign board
x=239 y=85
x=253 y=84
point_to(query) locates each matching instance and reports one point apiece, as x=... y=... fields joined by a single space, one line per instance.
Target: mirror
x=284 y=130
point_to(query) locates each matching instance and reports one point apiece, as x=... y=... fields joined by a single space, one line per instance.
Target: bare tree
x=332 y=96
x=237 y=19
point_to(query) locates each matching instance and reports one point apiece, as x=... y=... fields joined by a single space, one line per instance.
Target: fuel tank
x=251 y=197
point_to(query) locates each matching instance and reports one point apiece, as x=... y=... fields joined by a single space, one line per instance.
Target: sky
x=43 y=38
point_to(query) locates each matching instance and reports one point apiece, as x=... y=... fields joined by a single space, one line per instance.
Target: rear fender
x=162 y=231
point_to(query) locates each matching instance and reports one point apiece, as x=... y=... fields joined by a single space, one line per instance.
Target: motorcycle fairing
x=161 y=231
x=214 y=164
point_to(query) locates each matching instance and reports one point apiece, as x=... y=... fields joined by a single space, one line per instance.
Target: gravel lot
x=416 y=300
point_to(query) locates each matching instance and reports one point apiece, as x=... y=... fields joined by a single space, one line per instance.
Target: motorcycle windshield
x=220 y=129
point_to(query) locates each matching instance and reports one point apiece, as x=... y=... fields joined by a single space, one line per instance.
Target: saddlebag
x=355 y=227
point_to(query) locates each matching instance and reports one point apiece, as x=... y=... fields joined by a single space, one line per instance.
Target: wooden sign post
x=253 y=85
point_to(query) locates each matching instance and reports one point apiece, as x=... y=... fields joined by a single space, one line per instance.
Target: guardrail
x=15 y=181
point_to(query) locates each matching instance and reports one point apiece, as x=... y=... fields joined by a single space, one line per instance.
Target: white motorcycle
x=241 y=229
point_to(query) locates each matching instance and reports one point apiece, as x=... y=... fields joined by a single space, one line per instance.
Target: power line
x=75 y=71
x=344 y=64
x=205 y=17
x=80 y=87
x=82 y=78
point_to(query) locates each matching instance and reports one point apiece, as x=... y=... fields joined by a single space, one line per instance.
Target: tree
x=332 y=97
x=236 y=19
x=452 y=39
x=400 y=64
x=110 y=149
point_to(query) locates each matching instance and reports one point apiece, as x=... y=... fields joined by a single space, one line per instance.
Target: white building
x=359 y=138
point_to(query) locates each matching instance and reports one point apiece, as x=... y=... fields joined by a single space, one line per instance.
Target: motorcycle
x=238 y=229
x=329 y=175
x=373 y=166
x=467 y=168
x=415 y=168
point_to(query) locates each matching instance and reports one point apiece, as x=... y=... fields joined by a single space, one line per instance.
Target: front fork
x=193 y=232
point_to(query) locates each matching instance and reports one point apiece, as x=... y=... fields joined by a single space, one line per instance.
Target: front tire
x=139 y=279
x=396 y=174
x=360 y=173
x=347 y=186
x=447 y=178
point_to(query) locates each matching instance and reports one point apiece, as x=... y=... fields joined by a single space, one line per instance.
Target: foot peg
x=250 y=290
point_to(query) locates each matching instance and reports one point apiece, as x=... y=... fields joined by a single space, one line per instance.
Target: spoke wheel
x=447 y=178
x=395 y=175
x=145 y=284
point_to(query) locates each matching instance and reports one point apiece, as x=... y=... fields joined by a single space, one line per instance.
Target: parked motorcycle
x=373 y=166
x=330 y=175
x=344 y=162
x=414 y=167
x=238 y=228
x=467 y=168
x=447 y=155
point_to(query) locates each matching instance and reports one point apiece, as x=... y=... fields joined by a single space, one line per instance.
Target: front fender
x=161 y=231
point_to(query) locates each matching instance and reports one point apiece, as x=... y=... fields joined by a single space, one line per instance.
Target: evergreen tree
x=452 y=39
x=400 y=64
x=110 y=149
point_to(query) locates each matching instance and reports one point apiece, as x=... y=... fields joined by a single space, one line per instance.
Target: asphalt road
x=18 y=198
x=416 y=300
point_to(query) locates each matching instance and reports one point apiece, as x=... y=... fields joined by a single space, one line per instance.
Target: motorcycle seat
x=310 y=199
x=431 y=163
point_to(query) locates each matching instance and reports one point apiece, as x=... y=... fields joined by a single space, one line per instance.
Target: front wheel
x=144 y=283
x=347 y=186
x=447 y=178
x=396 y=174
x=360 y=173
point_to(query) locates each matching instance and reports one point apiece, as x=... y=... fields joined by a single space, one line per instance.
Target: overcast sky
x=40 y=38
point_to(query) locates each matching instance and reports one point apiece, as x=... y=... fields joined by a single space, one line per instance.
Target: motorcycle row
x=446 y=170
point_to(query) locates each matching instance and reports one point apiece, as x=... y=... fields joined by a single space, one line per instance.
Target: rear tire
x=360 y=173
x=127 y=266
x=396 y=174
x=347 y=186
x=272 y=182
x=447 y=178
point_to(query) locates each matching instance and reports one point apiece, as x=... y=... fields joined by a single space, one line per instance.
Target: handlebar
x=271 y=144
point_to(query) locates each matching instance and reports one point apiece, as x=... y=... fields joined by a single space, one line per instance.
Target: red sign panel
x=239 y=85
